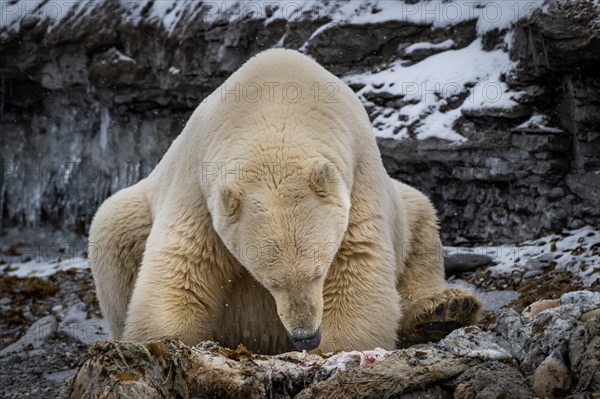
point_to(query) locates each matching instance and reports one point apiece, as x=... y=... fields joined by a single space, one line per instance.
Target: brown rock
x=593 y=314
x=539 y=306
x=552 y=378
x=492 y=380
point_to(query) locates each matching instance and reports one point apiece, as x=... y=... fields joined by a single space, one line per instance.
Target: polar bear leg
x=116 y=245
x=427 y=302
x=361 y=309
x=179 y=290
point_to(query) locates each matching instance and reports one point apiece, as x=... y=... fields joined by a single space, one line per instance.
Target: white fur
x=343 y=246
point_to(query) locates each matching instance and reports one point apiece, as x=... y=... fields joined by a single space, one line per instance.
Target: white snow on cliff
x=490 y=14
x=426 y=88
x=445 y=45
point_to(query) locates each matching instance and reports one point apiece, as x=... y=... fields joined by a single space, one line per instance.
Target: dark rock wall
x=506 y=183
x=89 y=106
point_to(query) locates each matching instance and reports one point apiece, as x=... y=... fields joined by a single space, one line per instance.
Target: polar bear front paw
x=432 y=318
x=452 y=305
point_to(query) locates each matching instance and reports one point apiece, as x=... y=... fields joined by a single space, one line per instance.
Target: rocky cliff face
x=92 y=93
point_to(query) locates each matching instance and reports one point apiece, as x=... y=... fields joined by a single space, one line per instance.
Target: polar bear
x=272 y=222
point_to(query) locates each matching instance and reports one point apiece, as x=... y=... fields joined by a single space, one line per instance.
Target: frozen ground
x=48 y=322
x=34 y=268
x=532 y=270
x=565 y=249
x=50 y=313
x=576 y=252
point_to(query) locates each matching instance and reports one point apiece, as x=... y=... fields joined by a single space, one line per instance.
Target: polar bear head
x=284 y=223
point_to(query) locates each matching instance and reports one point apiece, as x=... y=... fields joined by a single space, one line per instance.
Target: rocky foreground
x=553 y=349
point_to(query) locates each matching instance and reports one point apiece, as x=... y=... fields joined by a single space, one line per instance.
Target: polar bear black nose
x=307 y=342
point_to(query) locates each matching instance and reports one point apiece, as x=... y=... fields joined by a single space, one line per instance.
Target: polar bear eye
x=318 y=182
x=322 y=178
x=318 y=274
x=272 y=284
x=231 y=197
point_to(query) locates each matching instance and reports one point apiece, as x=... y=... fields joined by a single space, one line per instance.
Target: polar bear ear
x=322 y=176
x=231 y=198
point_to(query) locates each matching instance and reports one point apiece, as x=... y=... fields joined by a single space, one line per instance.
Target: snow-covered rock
x=35 y=337
x=76 y=325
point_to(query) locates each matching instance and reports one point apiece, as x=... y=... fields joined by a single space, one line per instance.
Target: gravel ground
x=47 y=325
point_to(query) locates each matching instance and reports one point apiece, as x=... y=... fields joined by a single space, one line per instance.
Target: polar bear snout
x=303 y=341
x=300 y=309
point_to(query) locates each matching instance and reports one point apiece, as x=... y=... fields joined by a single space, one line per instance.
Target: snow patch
x=539 y=122
x=35 y=268
x=429 y=87
x=445 y=45
x=120 y=57
x=50 y=13
x=571 y=251
x=490 y=14
x=502 y=15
